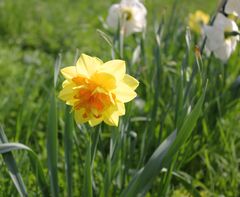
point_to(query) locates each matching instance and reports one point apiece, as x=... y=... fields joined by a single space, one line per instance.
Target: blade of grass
x=185 y=130
x=52 y=145
x=182 y=136
x=35 y=163
x=95 y=139
x=187 y=181
x=136 y=185
x=87 y=185
x=107 y=179
x=164 y=154
x=106 y=37
x=12 y=167
x=68 y=144
x=52 y=133
x=148 y=133
x=57 y=68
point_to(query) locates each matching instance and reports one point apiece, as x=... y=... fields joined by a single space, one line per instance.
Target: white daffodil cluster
x=223 y=35
x=129 y=15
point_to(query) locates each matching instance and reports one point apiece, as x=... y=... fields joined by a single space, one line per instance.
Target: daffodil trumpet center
x=232 y=17
x=91 y=97
x=127 y=14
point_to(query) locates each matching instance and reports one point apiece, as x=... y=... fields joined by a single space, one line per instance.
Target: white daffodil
x=222 y=37
x=129 y=14
x=233 y=7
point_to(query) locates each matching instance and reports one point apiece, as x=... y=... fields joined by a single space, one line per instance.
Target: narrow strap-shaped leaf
x=141 y=179
x=95 y=139
x=57 y=68
x=68 y=144
x=6 y=148
x=187 y=182
x=12 y=167
x=52 y=146
x=185 y=131
x=163 y=154
x=87 y=185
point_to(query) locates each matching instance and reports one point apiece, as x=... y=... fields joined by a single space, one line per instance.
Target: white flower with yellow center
x=233 y=7
x=130 y=15
x=222 y=37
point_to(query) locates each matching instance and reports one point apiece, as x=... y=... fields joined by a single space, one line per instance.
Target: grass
x=202 y=160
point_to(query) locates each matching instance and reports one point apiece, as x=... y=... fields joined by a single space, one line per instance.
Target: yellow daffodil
x=197 y=20
x=97 y=91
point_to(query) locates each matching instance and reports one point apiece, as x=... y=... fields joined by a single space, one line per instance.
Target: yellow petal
x=65 y=95
x=201 y=16
x=120 y=108
x=69 y=72
x=104 y=80
x=79 y=116
x=130 y=81
x=67 y=92
x=124 y=93
x=66 y=83
x=87 y=65
x=112 y=120
x=95 y=121
x=117 y=68
x=111 y=115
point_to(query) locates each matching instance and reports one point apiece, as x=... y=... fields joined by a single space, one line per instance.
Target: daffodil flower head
x=197 y=20
x=130 y=15
x=97 y=91
x=232 y=7
x=222 y=37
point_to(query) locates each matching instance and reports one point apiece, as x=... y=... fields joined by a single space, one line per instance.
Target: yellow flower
x=97 y=91
x=197 y=20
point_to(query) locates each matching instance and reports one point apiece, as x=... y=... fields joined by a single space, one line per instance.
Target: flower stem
x=121 y=41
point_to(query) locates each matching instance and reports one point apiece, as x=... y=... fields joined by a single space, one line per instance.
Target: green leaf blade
x=52 y=146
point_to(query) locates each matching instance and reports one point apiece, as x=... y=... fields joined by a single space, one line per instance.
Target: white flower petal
x=215 y=37
x=233 y=7
x=223 y=52
x=221 y=46
x=113 y=16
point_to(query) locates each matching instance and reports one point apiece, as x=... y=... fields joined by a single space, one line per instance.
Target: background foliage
x=33 y=33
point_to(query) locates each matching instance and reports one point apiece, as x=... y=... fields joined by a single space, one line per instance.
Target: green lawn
x=32 y=35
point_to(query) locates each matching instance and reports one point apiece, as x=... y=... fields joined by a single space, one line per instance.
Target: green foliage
x=142 y=156
x=5 y=150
